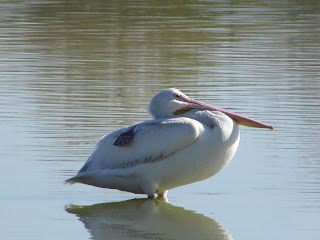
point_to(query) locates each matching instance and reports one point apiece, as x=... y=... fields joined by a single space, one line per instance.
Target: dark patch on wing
x=125 y=138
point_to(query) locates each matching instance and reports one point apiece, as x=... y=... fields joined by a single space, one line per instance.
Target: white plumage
x=188 y=141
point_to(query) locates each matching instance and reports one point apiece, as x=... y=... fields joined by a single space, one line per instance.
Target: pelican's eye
x=177 y=96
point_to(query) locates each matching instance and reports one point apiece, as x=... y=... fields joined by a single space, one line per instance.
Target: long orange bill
x=241 y=120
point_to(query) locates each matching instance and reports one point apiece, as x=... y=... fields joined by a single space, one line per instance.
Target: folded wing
x=143 y=143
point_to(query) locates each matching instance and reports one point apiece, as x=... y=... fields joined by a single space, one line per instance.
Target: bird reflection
x=146 y=219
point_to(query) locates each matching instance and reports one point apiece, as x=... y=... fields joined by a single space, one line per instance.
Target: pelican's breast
x=212 y=150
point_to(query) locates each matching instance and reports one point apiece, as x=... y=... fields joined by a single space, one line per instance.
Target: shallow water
x=71 y=72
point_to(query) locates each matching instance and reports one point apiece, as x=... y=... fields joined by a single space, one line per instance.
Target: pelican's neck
x=215 y=120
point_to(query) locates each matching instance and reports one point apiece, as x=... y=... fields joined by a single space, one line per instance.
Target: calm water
x=73 y=71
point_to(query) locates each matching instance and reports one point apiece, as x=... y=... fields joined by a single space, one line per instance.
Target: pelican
x=187 y=141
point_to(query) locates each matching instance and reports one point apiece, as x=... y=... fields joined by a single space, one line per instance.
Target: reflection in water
x=146 y=219
x=72 y=71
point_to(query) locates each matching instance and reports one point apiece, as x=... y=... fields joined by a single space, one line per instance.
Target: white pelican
x=188 y=141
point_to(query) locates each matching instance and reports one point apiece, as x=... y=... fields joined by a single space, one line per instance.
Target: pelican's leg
x=163 y=194
x=149 y=189
x=151 y=196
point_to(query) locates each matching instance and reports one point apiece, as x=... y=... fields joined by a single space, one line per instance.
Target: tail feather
x=83 y=177
x=121 y=179
x=72 y=180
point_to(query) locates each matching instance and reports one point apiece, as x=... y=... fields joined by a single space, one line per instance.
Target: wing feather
x=148 y=141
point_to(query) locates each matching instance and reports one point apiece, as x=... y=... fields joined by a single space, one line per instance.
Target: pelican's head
x=166 y=103
x=173 y=103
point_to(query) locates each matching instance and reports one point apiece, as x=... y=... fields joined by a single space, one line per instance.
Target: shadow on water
x=146 y=219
